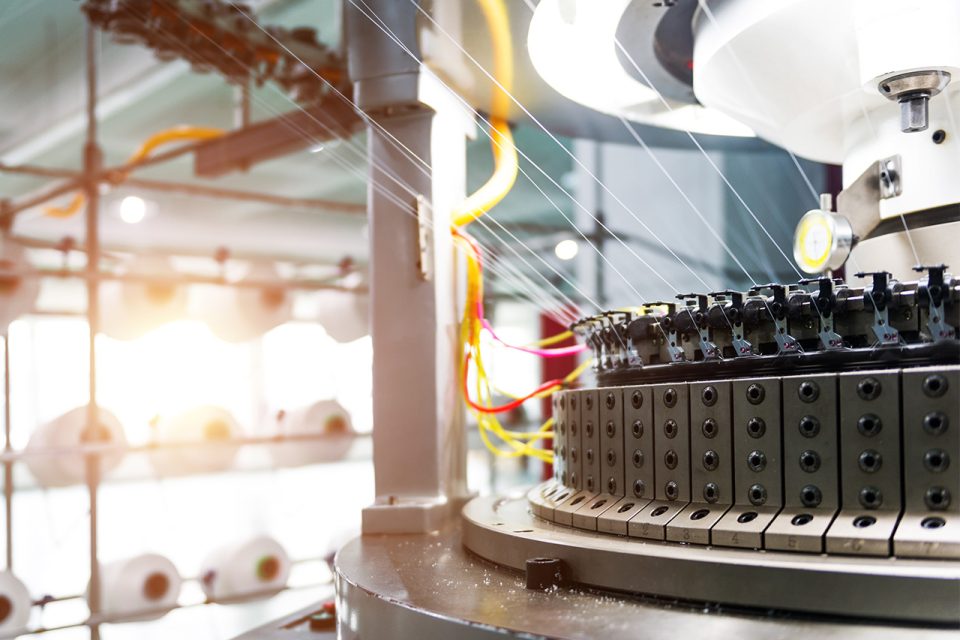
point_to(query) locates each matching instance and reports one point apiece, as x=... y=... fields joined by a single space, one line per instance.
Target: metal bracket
x=786 y=343
x=823 y=305
x=674 y=350
x=860 y=202
x=878 y=298
x=707 y=347
x=933 y=291
x=424 y=219
x=741 y=345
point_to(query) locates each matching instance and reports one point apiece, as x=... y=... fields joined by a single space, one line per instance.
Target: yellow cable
x=143 y=152
x=504 y=149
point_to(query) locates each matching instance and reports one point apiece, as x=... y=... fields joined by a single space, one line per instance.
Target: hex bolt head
x=870 y=461
x=637 y=429
x=811 y=496
x=808 y=391
x=757 y=494
x=711 y=492
x=756 y=393
x=871 y=497
x=869 y=388
x=636 y=400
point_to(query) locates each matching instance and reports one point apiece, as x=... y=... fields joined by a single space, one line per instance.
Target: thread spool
x=345 y=316
x=70 y=431
x=15 y=604
x=212 y=427
x=324 y=418
x=18 y=292
x=130 y=309
x=142 y=587
x=242 y=313
x=258 y=567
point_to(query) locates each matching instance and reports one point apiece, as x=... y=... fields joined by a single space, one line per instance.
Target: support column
x=416 y=151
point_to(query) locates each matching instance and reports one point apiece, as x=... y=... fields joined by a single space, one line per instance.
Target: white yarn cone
x=130 y=309
x=256 y=567
x=206 y=426
x=70 y=431
x=239 y=314
x=324 y=418
x=15 y=604
x=143 y=587
x=345 y=316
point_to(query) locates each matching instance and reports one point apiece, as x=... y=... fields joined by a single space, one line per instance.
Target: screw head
x=757 y=494
x=639 y=488
x=809 y=461
x=588 y=401
x=937 y=498
x=870 y=497
x=869 y=388
x=711 y=492
x=611 y=457
x=811 y=496
x=670 y=428
x=637 y=429
x=710 y=428
x=808 y=391
x=611 y=400
x=756 y=427
x=757 y=461
x=670 y=459
x=588 y=429
x=936 y=460
x=709 y=395
x=935 y=423
x=611 y=429
x=869 y=425
x=870 y=461
x=670 y=397
x=711 y=460
x=671 y=490
x=638 y=458
x=935 y=385
x=809 y=426
x=756 y=393
x=611 y=486
x=636 y=399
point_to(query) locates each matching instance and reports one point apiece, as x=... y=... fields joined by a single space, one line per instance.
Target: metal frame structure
x=89 y=181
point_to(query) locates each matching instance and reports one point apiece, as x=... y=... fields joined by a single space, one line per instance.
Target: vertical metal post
x=599 y=233
x=92 y=160
x=8 y=464
x=418 y=141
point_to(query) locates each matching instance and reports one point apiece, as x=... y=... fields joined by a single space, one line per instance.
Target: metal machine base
x=910 y=591
x=431 y=586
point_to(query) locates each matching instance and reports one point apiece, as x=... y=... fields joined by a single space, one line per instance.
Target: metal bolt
x=755 y=393
x=709 y=396
x=870 y=461
x=869 y=425
x=871 y=497
x=869 y=388
x=756 y=427
x=611 y=401
x=636 y=399
x=670 y=428
x=757 y=494
x=711 y=492
x=757 y=461
x=937 y=498
x=638 y=458
x=811 y=496
x=709 y=428
x=809 y=461
x=711 y=460
x=670 y=459
x=936 y=460
x=808 y=391
x=637 y=429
